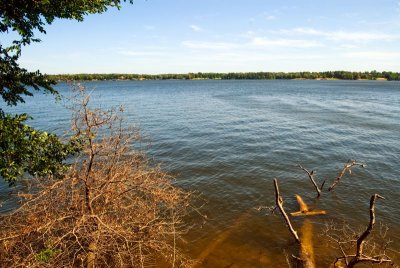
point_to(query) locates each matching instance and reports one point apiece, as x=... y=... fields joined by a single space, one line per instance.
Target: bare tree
x=113 y=209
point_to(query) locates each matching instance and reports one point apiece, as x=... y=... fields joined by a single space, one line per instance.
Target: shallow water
x=228 y=140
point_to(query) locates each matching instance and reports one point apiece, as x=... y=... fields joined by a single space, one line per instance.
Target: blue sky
x=180 y=36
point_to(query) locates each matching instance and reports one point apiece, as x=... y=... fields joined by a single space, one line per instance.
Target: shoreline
x=328 y=75
x=211 y=79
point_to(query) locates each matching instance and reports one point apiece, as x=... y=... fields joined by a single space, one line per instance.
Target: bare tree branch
x=279 y=203
x=360 y=257
x=347 y=168
x=367 y=251
x=311 y=177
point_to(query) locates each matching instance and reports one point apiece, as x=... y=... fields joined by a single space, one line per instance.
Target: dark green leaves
x=14 y=80
x=24 y=149
x=26 y=16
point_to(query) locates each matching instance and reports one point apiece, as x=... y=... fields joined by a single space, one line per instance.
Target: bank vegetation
x=328 y=75
x=112 y=209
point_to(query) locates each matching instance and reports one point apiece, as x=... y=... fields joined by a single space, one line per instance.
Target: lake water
x=228 y=140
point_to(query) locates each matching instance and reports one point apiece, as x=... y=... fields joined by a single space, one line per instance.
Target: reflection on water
x=229 y=139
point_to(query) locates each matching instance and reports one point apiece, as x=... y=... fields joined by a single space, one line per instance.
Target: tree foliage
x=343 y=75
x=24 y=149
x=26 y=16
x=15 y=80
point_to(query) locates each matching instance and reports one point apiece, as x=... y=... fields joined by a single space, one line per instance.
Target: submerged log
x=304 y=210
x=220 y=238
x=306 y=251
x=307 y=255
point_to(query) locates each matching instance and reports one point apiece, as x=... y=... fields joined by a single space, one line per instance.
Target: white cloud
x=374 y=55
x=252 y=56
x=270 y=17
x=295 y=43
x=342 y=35
x=208 y=45
x=360 y=36
x=309 y=31
x=196 y=28
x=348 y=46
x=140 y=53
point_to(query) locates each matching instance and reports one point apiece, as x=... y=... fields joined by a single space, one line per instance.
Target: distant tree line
x=343 y=75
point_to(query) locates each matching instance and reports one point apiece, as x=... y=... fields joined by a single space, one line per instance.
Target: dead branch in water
x=304 y=210
x=279 y=203
x=345 y=240
x=360 y=257
x=367 y=251
x=347 y=168
x=311 y=177
x=306 y=249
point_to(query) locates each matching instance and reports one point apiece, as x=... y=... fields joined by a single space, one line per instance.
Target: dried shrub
x=113 y=209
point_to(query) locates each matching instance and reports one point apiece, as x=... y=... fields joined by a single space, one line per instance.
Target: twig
x=270 y=209
x=174 y=236
x=287 y=259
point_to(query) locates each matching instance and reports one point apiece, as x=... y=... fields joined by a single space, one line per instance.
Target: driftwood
x=306 y=248
x=347 y=168
x=311 y=177
x=304 y=210
x=372 y=254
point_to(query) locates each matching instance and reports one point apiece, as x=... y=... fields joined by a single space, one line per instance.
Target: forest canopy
x=343 y=75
